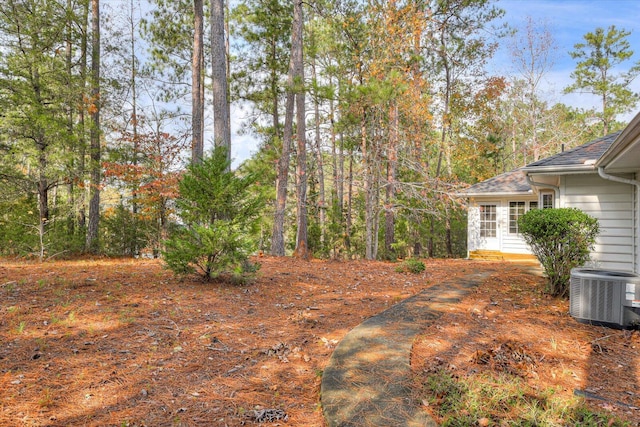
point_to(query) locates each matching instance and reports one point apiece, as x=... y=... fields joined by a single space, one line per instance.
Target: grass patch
x=20 y=328
x=504 y=400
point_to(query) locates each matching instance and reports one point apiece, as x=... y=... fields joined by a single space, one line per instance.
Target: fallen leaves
x=209 y=354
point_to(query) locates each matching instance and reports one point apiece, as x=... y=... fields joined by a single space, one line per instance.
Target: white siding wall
x=637 y=225
x=508 y=243
x=473 y=227
x=513 y=243
x=612 y=203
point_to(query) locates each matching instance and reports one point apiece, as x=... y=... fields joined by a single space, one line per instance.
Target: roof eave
x=496 y=194
x=559 y=170
x=630 y=134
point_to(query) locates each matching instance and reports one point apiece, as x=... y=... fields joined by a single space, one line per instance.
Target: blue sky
x=569 y=21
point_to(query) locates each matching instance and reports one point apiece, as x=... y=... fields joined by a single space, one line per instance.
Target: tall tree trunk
x=197 y=102
x=134 y=96
x=376 y=216
x=277 y=237
x=389 y=227
x=43 y=193
x=221 y=109
x=445 y=150
x=349 y=219
x=322 y=206
x=448 y=242
x=337 y=156
x=340 y=178
x=82 y=143
x=369 y=190
x=431 y=243
x=71 y=218
x=134 y=114
x=275 y=106
x=605 y=117
x=94 y=202
x=337 y=182
x=302 y=247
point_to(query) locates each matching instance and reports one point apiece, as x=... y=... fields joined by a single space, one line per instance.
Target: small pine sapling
x=218 y=222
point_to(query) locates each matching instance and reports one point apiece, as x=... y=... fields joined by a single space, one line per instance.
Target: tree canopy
x=368 y=117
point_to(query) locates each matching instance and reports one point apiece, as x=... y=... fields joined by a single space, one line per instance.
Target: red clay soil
x=104 y=342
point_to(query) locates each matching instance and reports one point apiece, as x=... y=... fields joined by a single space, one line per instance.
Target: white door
x=489 y=235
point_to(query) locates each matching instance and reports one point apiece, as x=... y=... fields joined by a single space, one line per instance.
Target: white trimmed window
x=488 y=220
x=516 y=210
x=546 y=198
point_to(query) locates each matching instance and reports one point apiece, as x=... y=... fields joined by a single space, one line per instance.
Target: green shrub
x=218 y=222
x=124 y=233
x=411 y=265
x=561 y=239
x=18 y=226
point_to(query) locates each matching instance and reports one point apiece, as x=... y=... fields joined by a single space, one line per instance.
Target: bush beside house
x=561 y=239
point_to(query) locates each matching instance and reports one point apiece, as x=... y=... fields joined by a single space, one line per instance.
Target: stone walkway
x=368 y=380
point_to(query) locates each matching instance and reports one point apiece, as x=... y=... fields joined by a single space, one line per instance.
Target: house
x=599 y=177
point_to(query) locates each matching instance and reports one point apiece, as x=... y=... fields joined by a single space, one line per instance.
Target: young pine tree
x=218 y=216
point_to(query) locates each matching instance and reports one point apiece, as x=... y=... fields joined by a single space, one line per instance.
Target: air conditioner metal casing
x=605 y=297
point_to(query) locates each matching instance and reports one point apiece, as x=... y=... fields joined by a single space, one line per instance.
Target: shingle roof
x=514 y=182
x=583 y=155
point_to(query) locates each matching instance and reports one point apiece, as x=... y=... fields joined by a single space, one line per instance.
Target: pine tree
x=219 y=216
x=600 y=54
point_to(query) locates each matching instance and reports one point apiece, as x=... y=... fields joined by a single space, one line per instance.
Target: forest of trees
x=369 y=116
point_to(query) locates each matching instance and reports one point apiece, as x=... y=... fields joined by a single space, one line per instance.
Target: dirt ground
x=509 y=326
x=104 y=342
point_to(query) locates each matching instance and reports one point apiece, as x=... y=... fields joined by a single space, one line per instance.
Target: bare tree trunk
x=605 y=120
x=71 y=218
x=337 y=159
x=376 y=216
x=221 y=113
x=275 y=114
x=94 y=202
x=445 y=149
x=430 y=243
x=340 y=180
x=337 y=185
x=82 y=217
x=197 y=101
x=369 y=191
x=134 y=113
x=392 y=164
x=277 y=238
x=302 y=247
x=448 y=241
x=349 y=219
x=322 y=207
x=43 y=195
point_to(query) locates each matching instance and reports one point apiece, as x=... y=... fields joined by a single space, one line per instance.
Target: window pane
x=488 y=223
x=516 y=210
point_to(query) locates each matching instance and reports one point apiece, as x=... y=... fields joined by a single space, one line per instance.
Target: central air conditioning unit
x=605 y=297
